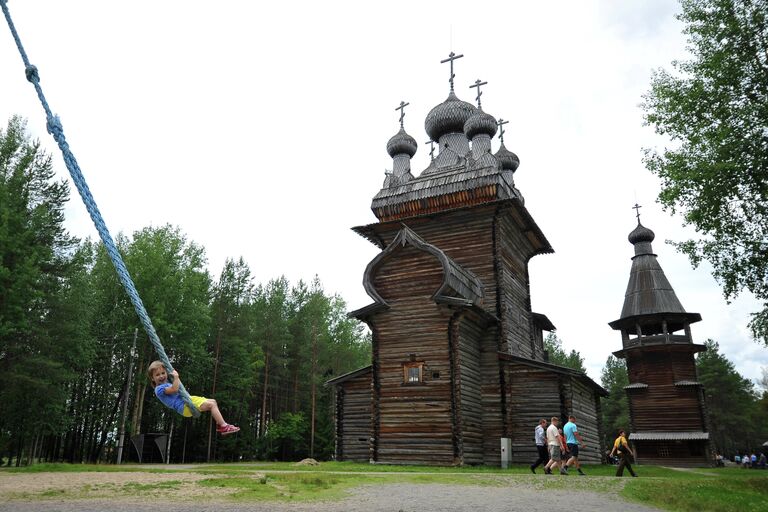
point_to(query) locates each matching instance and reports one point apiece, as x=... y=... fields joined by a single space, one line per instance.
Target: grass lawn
x=722 y=489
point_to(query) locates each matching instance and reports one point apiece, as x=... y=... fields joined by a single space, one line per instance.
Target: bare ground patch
x=178 y=486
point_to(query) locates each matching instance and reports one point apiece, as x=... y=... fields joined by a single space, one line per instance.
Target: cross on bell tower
x=637 y=211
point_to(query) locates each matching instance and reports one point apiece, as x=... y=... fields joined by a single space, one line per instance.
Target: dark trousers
x=543 y=456
x=624 y=463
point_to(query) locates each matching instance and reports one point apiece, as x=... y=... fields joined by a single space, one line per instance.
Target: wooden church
x=666 y=402
x=458 y=359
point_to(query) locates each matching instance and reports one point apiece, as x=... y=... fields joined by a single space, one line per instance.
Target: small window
x=413 y=373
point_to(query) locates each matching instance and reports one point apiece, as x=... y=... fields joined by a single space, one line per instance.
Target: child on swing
x=169 y=394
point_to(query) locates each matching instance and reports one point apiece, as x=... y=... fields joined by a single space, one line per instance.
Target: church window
x=413 y=373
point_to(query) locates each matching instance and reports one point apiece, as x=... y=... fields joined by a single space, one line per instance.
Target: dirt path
x=105 y=495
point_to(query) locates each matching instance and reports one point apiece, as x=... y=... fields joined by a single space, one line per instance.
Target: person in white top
x=553 y=443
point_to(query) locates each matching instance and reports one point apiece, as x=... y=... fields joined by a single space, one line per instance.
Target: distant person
x=624 y=452
x=761 y=461
x=745 y=461
x=169 y=394
x=540 y=438
x=563 y=452
x=553 y=445
x=753 y=461
x=574 y=442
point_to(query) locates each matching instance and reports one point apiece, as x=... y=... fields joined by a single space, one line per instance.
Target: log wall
x=470 y=390
x=660 y=367
x=582 y=401
x=672 y=453
x=666 y=408
x=650 y=407
x=513 y=252
x=493 y=398
x=353 y=416
x=534 y=394
x=413 y=423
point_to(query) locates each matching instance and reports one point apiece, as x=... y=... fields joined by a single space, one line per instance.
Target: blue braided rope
x=57 y=131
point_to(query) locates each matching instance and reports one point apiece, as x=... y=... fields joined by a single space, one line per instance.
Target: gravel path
x=521 y=494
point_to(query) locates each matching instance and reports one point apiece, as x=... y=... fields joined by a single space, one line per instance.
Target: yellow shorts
x=197 y=400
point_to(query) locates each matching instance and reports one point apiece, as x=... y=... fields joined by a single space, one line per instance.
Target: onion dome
x=448 y=117
x=508 y=160
x=641 y=234
x=480 y=123
x=401 y=144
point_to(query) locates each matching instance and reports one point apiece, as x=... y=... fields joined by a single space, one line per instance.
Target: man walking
x=540 y=438
x=622 y=449
x=553 y=443
x=573 y=441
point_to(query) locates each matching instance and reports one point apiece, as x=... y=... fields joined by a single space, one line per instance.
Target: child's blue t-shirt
x=173 y=401
x=569 y=430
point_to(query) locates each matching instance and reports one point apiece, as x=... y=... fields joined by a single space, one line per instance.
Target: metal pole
x=125 y=399
x=314 y=389
x=213 y=391
x=168 y=447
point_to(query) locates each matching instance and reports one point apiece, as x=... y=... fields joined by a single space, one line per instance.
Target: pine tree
x=615 y=407
x=34 y=265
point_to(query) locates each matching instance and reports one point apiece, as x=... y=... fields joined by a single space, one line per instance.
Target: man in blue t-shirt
x=573 y=441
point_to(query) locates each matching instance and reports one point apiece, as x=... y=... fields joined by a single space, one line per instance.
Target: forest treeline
x=67 y=330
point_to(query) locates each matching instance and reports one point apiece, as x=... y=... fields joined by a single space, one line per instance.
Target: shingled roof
x=451 y=187
x=649 y=292
x=459 y=286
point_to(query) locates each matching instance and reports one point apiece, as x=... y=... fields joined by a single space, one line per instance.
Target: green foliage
x=554 y=347
x=714 y=108
x=731 y=402
x=615 y=407
x=66 y=330
x=287 y=437
x=35 y=278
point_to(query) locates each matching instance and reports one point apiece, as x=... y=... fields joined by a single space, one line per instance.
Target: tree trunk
x=314 y=390
x=263 y=419
x=19 y=450
x=141 y=388
x=107 y=427
x=213 y=391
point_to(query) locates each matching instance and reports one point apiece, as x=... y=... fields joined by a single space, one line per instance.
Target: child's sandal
x=227 y=429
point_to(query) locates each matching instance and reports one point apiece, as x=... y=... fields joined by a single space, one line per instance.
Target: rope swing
x=57 y=131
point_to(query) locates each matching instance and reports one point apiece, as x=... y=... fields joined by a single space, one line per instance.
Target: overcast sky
x=260 y=129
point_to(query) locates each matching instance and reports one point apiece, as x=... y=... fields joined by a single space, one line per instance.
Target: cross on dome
x=451 y=57
x=501 y=124
x=401 y=108
x=637 y=211
x=431 y=148
x=478 y=83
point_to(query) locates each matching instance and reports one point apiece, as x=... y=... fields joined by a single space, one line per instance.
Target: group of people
x=753 y=461
x=558 y=448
